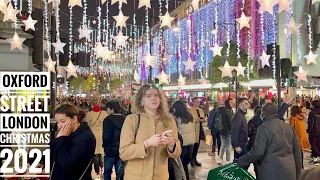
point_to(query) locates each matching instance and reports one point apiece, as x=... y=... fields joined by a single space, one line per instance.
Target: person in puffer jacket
x=253 y=125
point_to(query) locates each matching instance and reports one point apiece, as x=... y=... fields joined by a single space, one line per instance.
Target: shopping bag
x=209 y=140
x=230 y=171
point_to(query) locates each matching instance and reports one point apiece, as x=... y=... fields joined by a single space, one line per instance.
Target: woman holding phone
x=146 y=155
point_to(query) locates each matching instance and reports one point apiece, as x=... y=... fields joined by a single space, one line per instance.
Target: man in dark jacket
x=214 y=132
x=239 y=129
x=314 y=131
x=276 y=148
x=74 y=147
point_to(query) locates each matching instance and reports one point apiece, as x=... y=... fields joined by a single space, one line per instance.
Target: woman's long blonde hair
x=162 y=109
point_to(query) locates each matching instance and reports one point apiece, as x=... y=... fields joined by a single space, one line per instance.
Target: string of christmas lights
x=57 y=20
x=84 y=17
x=275 y=29
x=309 y=31
x=179 y=47
x=29 y=7
x=107 y=22
x=238 y=41
x=46 y=33
x=15 y=7
x=70 y=33
x=228 y=41
x=262 y=28
x=249 y=55
x=99 y=24
x=201 y=41
x=189 y=35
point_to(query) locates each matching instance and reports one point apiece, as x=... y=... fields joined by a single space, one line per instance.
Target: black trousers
x=216 y=140
x=186 y=157
x=195 y=151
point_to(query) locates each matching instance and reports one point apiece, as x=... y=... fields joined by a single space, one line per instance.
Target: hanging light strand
x=262 y=28
x=201 y=42
x=309 y=31
x=85 y=6
x=30 y=7
x=249 y=55
x=179 y=47
x=189 y=36
x=15 y=7
x=228 y=41
x=99 y=24
x=107 y=21
x=45 y=16
x=274 y=44
x=57 y=19
x=70 y=33
x=216 y=24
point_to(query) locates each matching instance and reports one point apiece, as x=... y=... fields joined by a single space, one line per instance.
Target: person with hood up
x=112 y=126
x=314 y=131
x=276 y=148
x=297 y=122
x=73 y=149
x=95 y=119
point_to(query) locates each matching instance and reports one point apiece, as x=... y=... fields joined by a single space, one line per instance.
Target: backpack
x=218 y=125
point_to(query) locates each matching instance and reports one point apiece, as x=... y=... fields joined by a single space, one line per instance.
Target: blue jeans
x=225 y=147
x=108 y=165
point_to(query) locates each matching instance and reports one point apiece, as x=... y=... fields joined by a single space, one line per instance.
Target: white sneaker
x=219 y=161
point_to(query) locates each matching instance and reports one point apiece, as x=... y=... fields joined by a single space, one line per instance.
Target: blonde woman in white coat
x=95 y=122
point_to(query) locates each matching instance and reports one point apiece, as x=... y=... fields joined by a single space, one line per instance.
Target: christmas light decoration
x=58 y=46
x=226 y=70
x=264 y=59
x=311 y=58
x=70 y=29
x=144 y=3
x=10 y=13
x=120 y=39
x=71 y=69
x=102 y=52
x=16 y=42
x=121 y=19
x=244 y=21
x=3 y=4
x=249 y=55
x=115 y=1
x=274 y=45
x=84 y=32
x=163 y=78
x=267 y=5
x=29 y=22
x=136 y=76
x=240 y=69
x=314 y=1
x=301 y=74
x=166 y=20
x=203 y=80
x=216 y=50
x=181 y=80
x=50 y=65
x=283 y=5
x=150 y=60
x=293 y=27
x=189 y=64
x=195 y=4
x=73 y=3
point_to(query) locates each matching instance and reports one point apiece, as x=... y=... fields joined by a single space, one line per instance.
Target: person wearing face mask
x=148 y=137
x=276 y=148
x=239 y=129
x=74 y=147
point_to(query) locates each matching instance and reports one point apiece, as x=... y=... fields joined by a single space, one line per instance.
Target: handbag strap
x=96 y=119
x=86 y=169
x=138 y=126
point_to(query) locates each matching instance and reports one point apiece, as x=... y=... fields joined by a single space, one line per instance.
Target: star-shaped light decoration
x=29 y=23
x=120 y=39
x=56 y=1
x=249 y=88
x=58 y=46
x=195 y=4
x=102 y=52
x=203 y=80
x=240 y=69
x=189 y=64
x=16 y=42
x=283 y=5
x=216 y=50
x=10 y=13
x=166 y=20
x=136 y=76
x=121 y=19
x=3 y=4
x=144 y=3
x=267 y=5
x=50 y=65
x=314 y=1
x=94 y=22
x=163 y=78
x=226 y=70
x=181 y=80
x=71 y=69
x=244 y=21
x=73 y=3
x=150 y=60
x=264 y=59
x=115 y=1
x=311 y=58
x=293 y=27
x=84 y=32
x=301 y=74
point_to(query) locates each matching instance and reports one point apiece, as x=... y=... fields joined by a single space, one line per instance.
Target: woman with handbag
x=95 y=119
x=148 y=137
x=186 y=128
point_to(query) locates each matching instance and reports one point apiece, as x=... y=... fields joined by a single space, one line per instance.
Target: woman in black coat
x=74 y=147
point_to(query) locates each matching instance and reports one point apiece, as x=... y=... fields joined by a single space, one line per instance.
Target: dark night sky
x=127 y=9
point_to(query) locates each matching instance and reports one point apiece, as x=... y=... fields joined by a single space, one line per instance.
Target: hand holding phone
x=167 y=132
